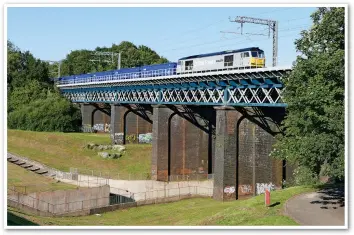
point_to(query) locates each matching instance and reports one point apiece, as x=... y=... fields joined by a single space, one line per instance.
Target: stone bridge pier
x=232 y=143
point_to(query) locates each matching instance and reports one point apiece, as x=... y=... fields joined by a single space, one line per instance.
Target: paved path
x=325 y=207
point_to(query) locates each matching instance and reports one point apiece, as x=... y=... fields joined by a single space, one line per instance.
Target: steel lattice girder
x=234 y=88
x=210 y=94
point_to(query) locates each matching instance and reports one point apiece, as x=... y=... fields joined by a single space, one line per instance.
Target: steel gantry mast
x=108 y=57
x=273 y=26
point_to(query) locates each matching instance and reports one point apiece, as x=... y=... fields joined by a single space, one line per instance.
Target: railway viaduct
x=221 y=123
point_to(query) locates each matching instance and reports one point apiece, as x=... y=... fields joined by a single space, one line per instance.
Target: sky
x=50 y=33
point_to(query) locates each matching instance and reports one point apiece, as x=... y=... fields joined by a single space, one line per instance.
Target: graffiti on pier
x=86 y=128
x=102 y=127
x=98 y=127
x=145 y=138
x=261 y=187
x=229 y=189
x=245 y=189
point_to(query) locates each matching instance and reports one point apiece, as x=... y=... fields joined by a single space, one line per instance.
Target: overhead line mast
x=273 y=26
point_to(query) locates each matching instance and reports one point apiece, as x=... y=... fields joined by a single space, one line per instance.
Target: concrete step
x=41 y=171
x=13 y=160
x=20 y=162
x=8 y=157
x=34 y=168
x=27 y=165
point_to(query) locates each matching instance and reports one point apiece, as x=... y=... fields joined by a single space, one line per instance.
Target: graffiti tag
x=261 y=187
x=229 y=189
x=246 y=188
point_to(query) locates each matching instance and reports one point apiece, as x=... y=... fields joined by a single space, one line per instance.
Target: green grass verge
x=65 y=150
x=196 y=211
x=28 y=181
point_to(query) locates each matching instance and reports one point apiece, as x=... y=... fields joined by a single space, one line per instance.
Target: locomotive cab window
x=245 y=54
x=254 y=54
x=228 y=60
x=261 y=54
x=189 y=65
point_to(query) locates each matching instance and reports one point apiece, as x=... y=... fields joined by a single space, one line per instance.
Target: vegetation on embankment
x=196 y=211
x=64 y=150
x=28 y=182
x=34 y=103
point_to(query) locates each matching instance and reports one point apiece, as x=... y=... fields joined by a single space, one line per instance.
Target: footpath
x=322 y=208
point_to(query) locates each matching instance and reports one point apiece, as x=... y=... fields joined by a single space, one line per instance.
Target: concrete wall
x=65 y=201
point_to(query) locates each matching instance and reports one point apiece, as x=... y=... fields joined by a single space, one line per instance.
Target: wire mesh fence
x=124 y=197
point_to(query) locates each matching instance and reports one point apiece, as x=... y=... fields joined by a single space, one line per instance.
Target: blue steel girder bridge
x=221 y=123
x=249 y=87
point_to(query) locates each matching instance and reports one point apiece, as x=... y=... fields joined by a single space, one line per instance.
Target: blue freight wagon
x=83 y=78
x=102 y=76
x=125 y=73
x=158 y=70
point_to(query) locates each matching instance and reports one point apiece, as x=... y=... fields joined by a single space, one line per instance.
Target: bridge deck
x=249 y=87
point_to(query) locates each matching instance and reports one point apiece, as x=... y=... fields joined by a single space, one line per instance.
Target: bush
x=51 y=114
x=304 y=176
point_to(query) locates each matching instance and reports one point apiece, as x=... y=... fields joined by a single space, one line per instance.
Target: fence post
x=82 y=205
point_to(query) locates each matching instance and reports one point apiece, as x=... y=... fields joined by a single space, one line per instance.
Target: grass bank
x=197 y=211
x=65 y=150
x=29 y=181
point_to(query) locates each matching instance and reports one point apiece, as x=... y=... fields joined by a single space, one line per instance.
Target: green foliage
x=51 y=113
x=22 y=68
x=33 y=101
x=314 y=126
x=304 y=176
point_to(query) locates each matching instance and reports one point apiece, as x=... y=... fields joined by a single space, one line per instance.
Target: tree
x=22 y=67
x=34 y=103
x=314 y=125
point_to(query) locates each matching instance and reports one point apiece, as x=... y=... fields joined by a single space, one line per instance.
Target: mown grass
x=27 y=181
x=194 y=212
x=65 y=150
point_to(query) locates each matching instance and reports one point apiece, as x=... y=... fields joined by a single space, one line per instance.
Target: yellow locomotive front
x=257 y=60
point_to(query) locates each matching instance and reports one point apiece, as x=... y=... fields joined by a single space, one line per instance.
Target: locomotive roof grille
x=221 y=53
